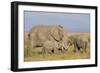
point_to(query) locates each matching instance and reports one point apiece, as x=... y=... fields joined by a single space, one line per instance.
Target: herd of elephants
x=52 y=39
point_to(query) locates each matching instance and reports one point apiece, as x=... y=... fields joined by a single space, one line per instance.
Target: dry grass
x=34 y=55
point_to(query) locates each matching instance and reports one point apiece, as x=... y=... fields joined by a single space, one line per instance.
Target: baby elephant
x=52 y=47
x=79 y=44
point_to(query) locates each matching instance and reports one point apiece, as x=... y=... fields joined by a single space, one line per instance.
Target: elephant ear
x=54 y=33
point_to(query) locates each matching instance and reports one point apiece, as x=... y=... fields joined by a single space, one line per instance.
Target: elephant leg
x=85 y=50
x=75 y=48
x=33 y=44
x=63 y=49
x=43 y=50
x=59 y=49
x=80 y=49
x=85 y=47
x=52 y=51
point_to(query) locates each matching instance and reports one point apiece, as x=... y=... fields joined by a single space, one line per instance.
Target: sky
x=72 y=22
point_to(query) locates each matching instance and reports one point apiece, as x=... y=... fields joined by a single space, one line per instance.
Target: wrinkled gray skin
x=53 y=47
x=64 y=44
x=41 y=33
x=78 y=43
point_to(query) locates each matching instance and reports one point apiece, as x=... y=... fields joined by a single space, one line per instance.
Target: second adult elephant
x=78 y=42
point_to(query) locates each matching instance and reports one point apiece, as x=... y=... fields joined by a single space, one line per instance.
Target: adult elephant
x=41 y=33
x=78 y=42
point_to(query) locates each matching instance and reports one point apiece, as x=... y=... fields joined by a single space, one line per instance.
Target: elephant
x=41 y=33
x=64 y=45
x=78 y=42
x=53 y=47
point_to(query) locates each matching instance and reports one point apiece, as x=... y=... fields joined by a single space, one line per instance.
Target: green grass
x=36 y=55
x=33 y=55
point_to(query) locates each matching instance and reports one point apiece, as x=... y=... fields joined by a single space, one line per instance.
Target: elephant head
x=57 y=33
x=41 y=33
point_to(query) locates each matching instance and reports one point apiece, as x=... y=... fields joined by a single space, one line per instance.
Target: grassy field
x=32 y=55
